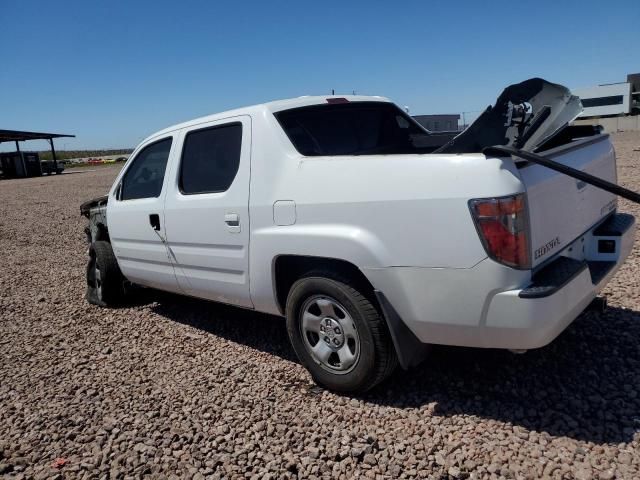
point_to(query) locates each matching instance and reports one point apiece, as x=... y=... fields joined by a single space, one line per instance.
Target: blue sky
x=113 y=72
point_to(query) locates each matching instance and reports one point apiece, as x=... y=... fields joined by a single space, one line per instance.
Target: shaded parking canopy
x=21 y=136
x=18 y=136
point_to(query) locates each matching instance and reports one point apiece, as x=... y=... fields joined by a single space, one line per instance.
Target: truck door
x=207 y=211
x=135 y=220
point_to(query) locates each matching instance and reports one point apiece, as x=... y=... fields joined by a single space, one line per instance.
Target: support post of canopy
x=24 y=165
x=53 y=155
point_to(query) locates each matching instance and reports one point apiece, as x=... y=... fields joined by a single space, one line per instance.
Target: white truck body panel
x=402 y=219
x=562 y=208
x=481 y=307
x=211 y=256
x=141 y=254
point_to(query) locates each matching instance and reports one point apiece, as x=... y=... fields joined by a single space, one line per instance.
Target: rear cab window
x=352 y=128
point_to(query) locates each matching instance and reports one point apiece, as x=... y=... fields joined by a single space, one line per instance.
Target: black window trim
x=184 y=143
x=118 y=191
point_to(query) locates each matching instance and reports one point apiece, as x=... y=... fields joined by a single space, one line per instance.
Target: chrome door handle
x=233 y=222
x=232 y=219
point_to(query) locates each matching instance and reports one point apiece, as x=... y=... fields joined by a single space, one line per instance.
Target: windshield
x=354 y=128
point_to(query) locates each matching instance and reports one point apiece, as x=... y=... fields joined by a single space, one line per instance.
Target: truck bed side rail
x=566 y=170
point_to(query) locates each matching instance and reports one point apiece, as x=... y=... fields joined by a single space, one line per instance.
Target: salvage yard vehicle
x=28 y=164
x=345 y=216
x=49 y=167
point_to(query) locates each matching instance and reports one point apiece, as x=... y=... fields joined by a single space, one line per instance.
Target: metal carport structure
x=21 y=136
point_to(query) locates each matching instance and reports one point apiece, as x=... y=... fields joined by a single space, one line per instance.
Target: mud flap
x=409 y=349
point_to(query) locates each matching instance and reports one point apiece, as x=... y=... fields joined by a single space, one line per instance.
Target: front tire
x=338 y=334
x=105 y=282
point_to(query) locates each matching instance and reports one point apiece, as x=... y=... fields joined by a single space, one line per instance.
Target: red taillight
x=503 y=227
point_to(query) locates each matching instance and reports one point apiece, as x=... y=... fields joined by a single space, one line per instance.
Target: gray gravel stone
x=178 y=388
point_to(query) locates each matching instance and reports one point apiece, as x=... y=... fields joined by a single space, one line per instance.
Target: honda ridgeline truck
x=372 y=236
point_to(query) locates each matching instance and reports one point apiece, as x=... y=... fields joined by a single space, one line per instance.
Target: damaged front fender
x=96 y=211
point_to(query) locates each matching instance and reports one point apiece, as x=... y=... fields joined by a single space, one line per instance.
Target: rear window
x=355 y=128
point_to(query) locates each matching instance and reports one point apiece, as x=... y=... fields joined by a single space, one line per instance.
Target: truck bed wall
x=373 y=211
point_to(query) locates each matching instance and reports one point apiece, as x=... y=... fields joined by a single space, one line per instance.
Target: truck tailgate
x=562 y=208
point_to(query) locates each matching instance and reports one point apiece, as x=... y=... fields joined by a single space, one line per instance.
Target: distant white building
x=439 y=123
x=613 y=99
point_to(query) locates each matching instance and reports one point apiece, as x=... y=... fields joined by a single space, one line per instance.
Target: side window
x=144 y=177
x=210 y=159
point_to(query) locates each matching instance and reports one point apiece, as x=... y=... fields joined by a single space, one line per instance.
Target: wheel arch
x=288 y=268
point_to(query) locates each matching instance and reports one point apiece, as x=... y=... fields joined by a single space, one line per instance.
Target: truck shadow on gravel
x=263 y=332
x=585 y=385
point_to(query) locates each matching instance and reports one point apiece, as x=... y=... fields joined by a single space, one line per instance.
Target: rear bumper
x=524 y=321
x=492 y=306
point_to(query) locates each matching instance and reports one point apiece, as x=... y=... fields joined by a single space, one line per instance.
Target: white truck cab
x=341 y=214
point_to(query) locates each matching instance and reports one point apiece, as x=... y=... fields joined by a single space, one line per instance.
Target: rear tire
x=338 y=333
x=105 y=282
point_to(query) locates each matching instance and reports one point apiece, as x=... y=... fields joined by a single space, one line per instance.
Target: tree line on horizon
x=67 y=154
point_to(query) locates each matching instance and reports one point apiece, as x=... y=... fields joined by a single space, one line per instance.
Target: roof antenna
x=333 y=92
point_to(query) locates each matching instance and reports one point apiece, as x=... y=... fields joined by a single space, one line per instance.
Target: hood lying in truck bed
x=524 y=116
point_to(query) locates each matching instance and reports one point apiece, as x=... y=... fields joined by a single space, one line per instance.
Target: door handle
x=233 y=222
x=154 y=221
x=232 y=219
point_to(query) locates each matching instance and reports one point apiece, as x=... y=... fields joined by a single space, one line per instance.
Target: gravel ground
x=179 y=388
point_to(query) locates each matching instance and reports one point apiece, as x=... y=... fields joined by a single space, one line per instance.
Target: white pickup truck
x=369 y=235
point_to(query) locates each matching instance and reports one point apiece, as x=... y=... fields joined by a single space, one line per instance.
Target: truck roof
x=274 y=106
x=304 y=101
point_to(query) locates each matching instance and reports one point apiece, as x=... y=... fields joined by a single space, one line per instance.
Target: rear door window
x=210 y=159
